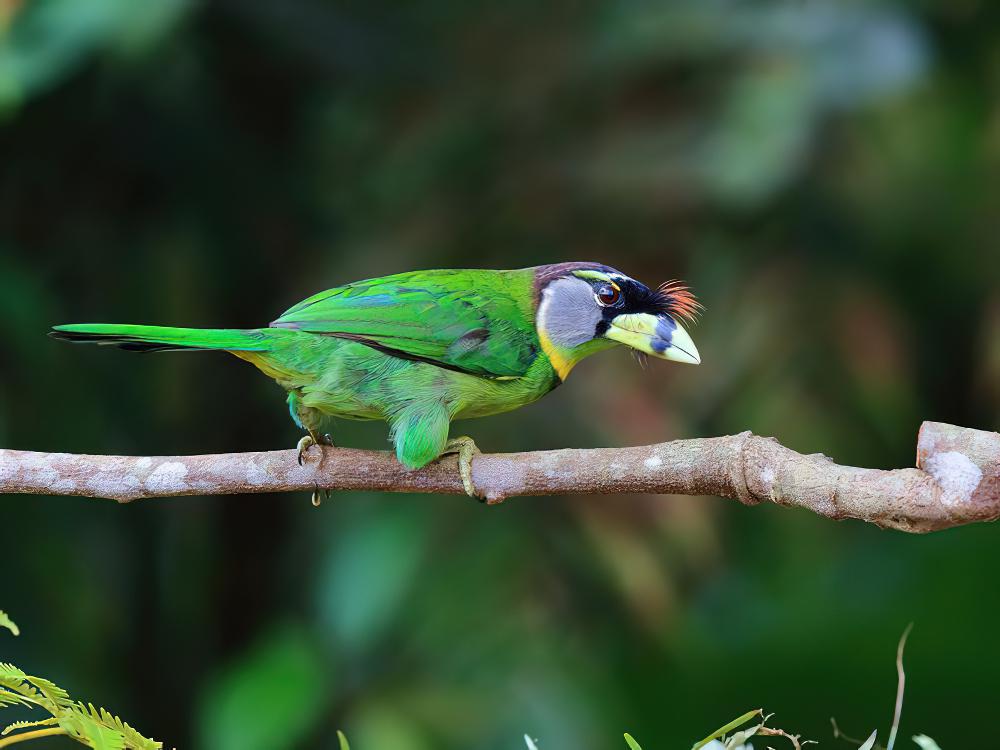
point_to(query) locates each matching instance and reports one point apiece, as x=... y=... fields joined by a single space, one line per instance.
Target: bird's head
x=585 y=307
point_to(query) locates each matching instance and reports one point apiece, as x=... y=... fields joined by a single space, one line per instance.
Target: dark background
x=824 y=175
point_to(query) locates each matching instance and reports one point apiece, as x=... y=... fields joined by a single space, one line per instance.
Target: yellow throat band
x=560 y=362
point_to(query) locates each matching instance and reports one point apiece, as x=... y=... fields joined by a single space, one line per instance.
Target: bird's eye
x=608 y=295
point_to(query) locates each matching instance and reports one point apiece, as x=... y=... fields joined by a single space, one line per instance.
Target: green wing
x=474 y=321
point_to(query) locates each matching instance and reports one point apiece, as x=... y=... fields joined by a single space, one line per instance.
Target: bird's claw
x=308 y=441
x=318 y=496
x=304 y=445
x=466 y=449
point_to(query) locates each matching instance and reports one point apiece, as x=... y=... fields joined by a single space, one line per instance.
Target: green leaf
x=925 y=742
x=90 y=732
x=111 y=722
x=738 y=739
x=102 y=738
x=6 y=622
x=55 y=698
x=25 y=724
x=11 y=674
x=269 y=700
x=9 y=698
x=630 y=741
x=721 y=731
x=16 y=690
x=84 y=722
x=343 y=741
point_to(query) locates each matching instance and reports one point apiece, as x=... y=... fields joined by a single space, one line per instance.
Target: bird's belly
x=358 y=382
x=482 y=397
x=495 y=398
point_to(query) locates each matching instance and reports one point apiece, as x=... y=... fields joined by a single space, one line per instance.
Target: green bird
x=423 y=348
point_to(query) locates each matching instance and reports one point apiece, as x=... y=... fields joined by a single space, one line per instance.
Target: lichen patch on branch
x=956 y=474
x=166 y=477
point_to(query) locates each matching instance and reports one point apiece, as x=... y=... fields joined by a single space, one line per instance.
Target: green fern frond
x=95 y=727
x=108 y=720
x=25 y=724
x=102 y=738
x=52 y=693
x=9 y=698
x=9 y=672
x=83 y=728
x=6 y=622
x=14 y=682
x=38 y=691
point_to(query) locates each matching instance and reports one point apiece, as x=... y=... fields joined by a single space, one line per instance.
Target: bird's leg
x=466 y=449
x=305 y=443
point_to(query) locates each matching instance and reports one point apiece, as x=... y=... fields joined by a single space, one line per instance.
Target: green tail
x=163 y=338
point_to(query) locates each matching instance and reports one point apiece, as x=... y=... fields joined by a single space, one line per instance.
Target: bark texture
x=956 y=481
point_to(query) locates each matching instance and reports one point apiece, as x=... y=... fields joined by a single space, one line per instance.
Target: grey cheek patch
x=665 y=327
x=570 y=314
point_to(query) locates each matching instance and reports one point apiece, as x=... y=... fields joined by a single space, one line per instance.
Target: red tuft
x=680 y=302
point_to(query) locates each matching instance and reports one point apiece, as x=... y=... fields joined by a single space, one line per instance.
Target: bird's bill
x=656 y=335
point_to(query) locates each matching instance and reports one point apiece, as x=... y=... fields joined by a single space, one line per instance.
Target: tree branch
x=957 y=480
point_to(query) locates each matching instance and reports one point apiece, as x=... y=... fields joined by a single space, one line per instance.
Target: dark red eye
x=608 y=295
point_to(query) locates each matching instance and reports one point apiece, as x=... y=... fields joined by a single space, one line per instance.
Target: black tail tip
x=78 y=337
x=61 y=335
x=127 y=343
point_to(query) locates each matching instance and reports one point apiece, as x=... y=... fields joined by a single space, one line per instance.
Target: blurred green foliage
x=823 y=173
x=269 y=699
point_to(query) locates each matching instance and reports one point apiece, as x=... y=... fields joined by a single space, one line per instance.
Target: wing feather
x=474 y=321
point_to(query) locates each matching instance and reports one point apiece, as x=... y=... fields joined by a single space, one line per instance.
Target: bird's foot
x=308 y=441
x=466 y=449
x=305 y=444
